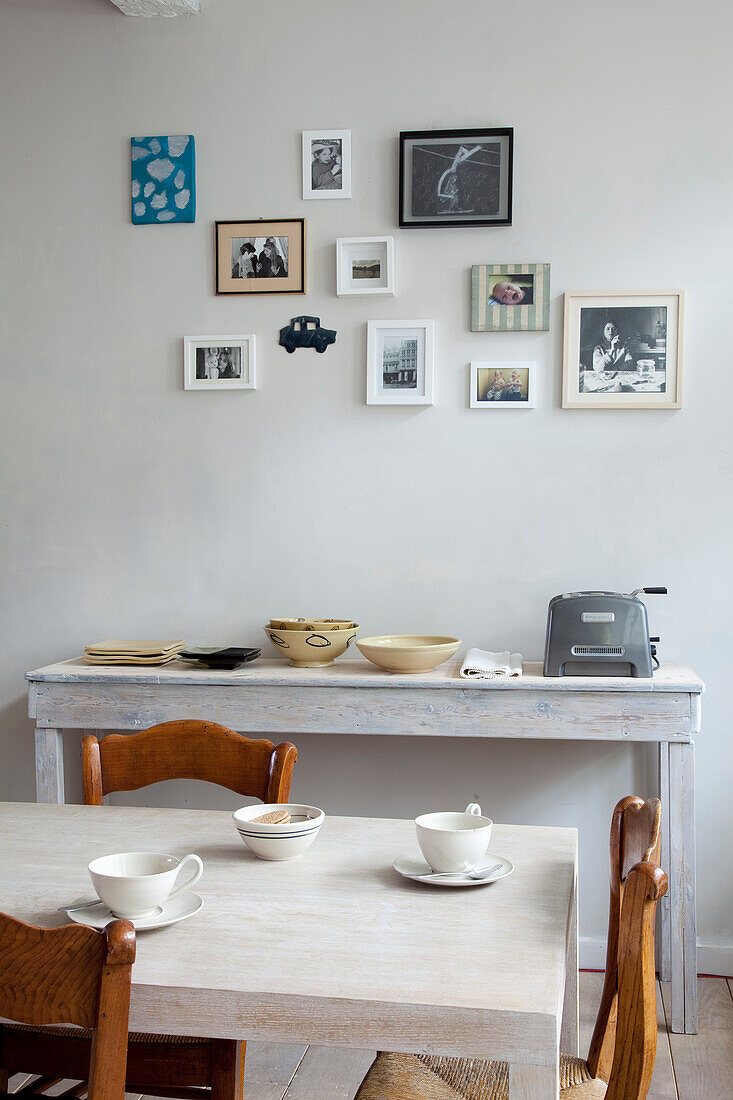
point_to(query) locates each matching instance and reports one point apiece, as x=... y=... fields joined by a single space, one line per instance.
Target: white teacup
x=454 y=841
x=135 y=884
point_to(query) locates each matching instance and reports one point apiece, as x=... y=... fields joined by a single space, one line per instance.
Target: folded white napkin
x=482 y=665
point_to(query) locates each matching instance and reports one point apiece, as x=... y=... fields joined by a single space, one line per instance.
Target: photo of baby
x=517 y=291
x=505 y=384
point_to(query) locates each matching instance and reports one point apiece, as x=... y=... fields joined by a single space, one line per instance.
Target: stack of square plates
x=226 y=659
x=118 y=651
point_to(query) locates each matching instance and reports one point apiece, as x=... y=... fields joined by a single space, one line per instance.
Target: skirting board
x=715 y=959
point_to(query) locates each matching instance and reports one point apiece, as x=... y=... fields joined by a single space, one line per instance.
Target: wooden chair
x=624 y=1044
x=187 y=750
x=164 y=1065
x=66 y=975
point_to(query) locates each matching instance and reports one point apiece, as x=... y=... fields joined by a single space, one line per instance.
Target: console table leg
x=570 y=1022
x=49 y=765
x=681 y=873
x=664 y=957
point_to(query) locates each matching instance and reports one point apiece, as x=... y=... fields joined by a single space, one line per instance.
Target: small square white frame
x=248 y=381
x=349 y=249
x=474 y=402
x=344 y=136
x=376 y=332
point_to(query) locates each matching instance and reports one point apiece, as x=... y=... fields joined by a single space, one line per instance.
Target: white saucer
x=412 y=865
x=178 y=908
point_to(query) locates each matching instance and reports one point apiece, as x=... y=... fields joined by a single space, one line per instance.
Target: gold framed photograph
x=622 y=349
x=260 y=257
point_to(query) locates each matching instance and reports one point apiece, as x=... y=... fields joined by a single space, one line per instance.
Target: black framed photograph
x=261 y=257
x=456 y=177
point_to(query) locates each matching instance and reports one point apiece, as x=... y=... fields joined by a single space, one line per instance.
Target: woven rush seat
x=428 y=1077
x=68 y=1032
x=624 y=1042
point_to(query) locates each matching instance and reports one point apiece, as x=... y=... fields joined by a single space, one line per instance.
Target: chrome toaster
x=599 y=634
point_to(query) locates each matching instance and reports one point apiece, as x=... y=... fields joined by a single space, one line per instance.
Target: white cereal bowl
x=285 y=841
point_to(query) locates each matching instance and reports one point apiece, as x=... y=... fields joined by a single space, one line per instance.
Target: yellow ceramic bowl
x=313 y=624
x=408 y=652
x=311 y=648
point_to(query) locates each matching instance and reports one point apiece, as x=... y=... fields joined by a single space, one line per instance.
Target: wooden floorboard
x=703 y=1063
x=269 y=1069
x=663 y=1082
x=329 y=1073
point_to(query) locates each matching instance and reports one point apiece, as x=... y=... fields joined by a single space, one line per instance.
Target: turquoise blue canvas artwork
x=163 y=179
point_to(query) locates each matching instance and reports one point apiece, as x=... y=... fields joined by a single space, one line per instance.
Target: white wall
x=132 y=508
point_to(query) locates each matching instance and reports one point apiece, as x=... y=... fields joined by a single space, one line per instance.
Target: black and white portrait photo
x=266 y=256
x=327 y=164
x=215 y=363
x=211 y=363
x=623 y=349
x=259 y=257
x=455 y=177
x=399 y=363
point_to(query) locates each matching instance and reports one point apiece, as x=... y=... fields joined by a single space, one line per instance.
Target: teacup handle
x=192 y=881
x=474 y=809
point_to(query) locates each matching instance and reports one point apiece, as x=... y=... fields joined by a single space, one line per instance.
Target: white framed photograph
x=502 y=385
x=365 y=266
x=219 y=363
x=400 y=362
x=326 y=164
x=622 y=349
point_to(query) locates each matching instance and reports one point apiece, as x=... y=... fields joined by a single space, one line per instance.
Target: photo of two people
x=259 y=257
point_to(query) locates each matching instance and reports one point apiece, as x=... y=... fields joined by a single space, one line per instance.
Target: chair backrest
x=189 y=749
x=73 y=975
x=635 y=839
x=635 y=1045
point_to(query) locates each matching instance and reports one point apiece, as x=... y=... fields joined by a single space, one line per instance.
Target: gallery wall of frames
x=622 y=349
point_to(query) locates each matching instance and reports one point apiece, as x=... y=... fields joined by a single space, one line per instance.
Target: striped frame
x=487 y=316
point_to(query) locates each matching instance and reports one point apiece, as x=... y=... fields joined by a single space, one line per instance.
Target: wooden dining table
x=334 y=948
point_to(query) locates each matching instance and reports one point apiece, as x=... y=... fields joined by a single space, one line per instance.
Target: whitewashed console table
x=353 y=697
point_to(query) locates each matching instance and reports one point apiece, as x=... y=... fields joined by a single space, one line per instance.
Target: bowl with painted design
x=311 y=648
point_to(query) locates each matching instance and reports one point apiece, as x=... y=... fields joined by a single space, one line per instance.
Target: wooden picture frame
x=266 y=256
x=510 y=298
x=456 y=177
x=623 y=349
